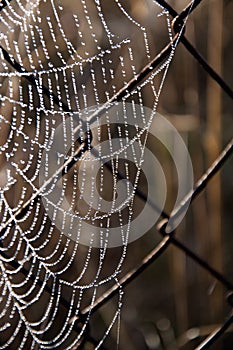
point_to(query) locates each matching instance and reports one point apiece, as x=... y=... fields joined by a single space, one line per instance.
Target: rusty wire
x=168 y=239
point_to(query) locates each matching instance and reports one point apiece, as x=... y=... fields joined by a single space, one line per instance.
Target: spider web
x=71 y=55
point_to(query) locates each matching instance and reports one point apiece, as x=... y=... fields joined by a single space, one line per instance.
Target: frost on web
x=71 y=56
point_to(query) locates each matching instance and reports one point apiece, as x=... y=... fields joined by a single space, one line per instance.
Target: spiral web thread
x=68 y=59
x=58 y=74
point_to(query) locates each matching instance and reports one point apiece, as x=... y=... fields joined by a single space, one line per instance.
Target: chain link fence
x=167 y=240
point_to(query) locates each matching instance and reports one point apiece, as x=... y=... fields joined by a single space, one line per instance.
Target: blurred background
x=174 y=303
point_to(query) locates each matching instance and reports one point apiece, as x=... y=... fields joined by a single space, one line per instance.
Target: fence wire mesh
x=168 y=240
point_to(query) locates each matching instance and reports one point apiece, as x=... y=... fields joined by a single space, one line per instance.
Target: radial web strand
x=61 y=154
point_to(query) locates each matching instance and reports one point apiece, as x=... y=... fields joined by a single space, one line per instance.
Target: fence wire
x=167 y=239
